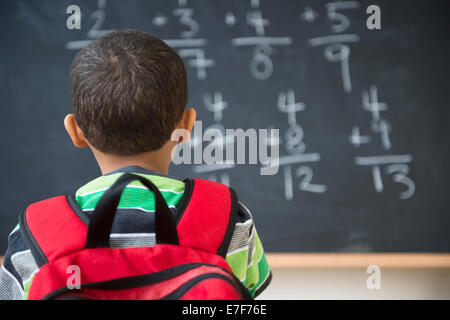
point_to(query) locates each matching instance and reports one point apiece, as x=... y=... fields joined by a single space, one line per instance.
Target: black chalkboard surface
x=362 y=113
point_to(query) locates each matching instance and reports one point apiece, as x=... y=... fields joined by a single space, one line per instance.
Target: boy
x=128 y=93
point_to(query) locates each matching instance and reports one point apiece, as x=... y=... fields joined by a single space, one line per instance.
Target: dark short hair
x=128 y=92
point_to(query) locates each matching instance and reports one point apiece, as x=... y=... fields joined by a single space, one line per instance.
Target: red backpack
x=187 y=262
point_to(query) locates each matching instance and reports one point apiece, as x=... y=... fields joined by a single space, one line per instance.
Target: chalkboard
x=362 y=112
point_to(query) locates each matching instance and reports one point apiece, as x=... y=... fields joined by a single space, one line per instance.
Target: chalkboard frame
x=355 y=260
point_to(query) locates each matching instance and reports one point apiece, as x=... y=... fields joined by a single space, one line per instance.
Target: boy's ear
x=74 y=131
x=187 y=120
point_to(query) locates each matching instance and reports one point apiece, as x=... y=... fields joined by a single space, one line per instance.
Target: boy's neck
x=157 y=161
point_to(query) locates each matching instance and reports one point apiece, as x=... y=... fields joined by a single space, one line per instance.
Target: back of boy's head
x=128 y=92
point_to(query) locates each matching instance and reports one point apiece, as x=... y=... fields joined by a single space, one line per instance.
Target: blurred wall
x=350 y=283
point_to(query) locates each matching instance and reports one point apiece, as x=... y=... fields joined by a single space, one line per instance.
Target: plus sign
x=309 y=14
x=217 y=105
x=356 y=139
x=256 y=20
x=199 y=61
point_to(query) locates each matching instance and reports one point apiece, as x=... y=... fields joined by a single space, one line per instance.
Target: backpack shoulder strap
x=53 y=228
x=207 y=216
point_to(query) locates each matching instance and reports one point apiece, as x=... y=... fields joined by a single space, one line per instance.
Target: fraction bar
x=333 y=39
x=297 y=158
x=251 y=41
x=342 y=5
x=212 y=167
x=185 y=42
x=377 y=160
x=75 y=45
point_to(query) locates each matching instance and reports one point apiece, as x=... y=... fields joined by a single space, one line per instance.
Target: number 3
x=400 y=172
x=185 y=15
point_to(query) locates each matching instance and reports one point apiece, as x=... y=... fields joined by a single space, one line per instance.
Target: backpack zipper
x=148 y=279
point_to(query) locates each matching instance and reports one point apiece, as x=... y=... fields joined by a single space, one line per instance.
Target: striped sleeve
x=17 y=269
x=246 y=255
